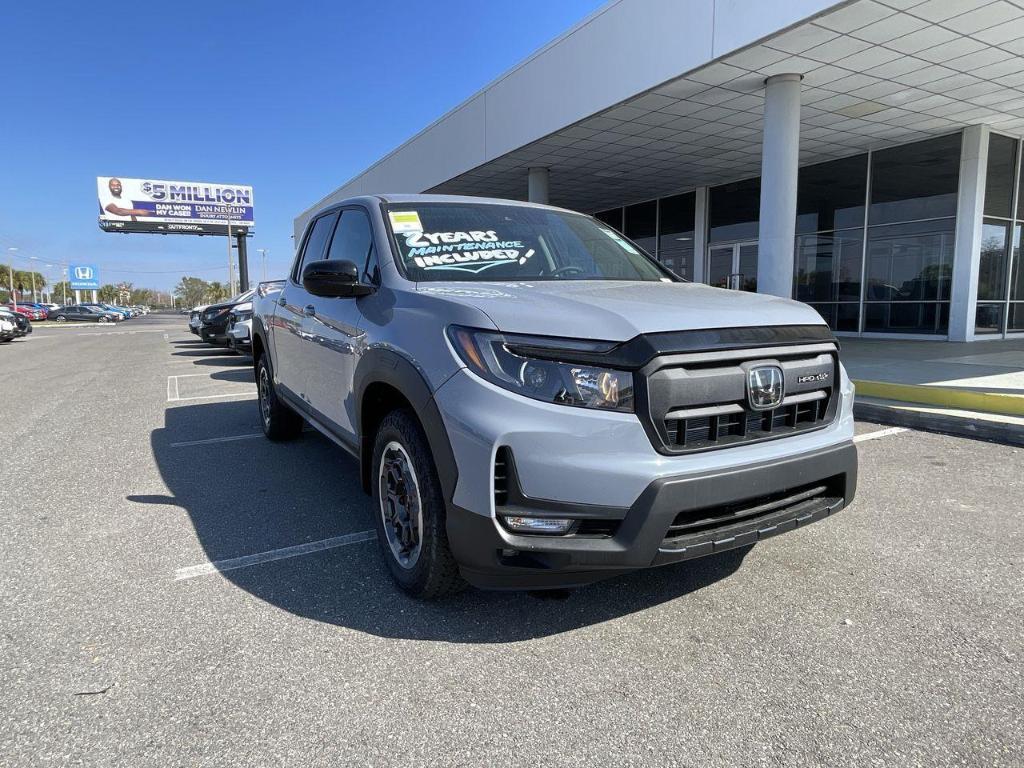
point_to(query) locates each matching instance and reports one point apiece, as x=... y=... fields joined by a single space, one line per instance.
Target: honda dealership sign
x=83 y=277
x=173 y=207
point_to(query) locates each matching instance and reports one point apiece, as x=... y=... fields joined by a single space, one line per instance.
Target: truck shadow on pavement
x=250 y=496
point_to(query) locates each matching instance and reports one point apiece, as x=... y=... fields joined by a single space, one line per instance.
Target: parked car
x=195 y=318
x=8 y=330
x=26 y=311
x=89 y=313
x=213 y=325
x=38 y=307
x=22 y=325
x=239 y=331
x=535 y=402
x=122 y=314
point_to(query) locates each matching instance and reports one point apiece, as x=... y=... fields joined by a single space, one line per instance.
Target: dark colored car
x=213 y=322
x=22 y=325
x=81 y=312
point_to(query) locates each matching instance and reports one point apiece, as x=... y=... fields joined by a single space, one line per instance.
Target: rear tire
x=279 y=422
x=409 y=510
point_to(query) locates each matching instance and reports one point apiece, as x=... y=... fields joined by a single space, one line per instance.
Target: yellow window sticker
x=405 y=221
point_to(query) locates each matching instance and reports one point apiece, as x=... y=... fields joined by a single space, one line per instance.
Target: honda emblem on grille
x=765 y=387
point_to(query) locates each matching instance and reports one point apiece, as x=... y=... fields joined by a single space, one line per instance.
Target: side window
x=316 y=243
x=353 y=241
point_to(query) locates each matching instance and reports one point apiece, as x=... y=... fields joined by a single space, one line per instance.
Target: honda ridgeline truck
x=535 y=402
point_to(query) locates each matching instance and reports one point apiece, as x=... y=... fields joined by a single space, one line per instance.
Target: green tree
x=192 y=291
x=60 y=290
x=217 y=292
x=22 y=283
x=108 y=293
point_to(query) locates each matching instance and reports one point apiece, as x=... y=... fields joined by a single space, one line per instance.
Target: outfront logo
x=83 y=273
x=766 y=387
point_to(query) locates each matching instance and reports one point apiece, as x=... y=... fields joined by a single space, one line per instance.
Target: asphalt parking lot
x=155 y=611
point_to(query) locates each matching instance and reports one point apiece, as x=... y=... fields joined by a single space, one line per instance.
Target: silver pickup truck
x=535 y=402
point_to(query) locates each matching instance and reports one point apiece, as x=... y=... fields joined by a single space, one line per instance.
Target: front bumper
x=214 y=333
x=601 y=465
x=492 y=557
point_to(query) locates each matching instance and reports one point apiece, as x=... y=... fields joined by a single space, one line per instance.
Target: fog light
x=552 y=526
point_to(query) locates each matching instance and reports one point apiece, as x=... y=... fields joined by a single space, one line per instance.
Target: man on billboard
x=117 y=208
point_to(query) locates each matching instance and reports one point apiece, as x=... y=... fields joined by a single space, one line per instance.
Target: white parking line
x=211 y=440
x=251 y=395
x=879 y=433
x=218 y=566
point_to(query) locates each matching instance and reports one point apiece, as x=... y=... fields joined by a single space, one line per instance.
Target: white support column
x=700 y=233
x=969 y=216
x=780 y=157
x=537 y=191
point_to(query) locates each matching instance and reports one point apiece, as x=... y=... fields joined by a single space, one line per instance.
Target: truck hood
x=613 y=310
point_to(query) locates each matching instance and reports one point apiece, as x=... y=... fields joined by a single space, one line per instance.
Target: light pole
x=263 y=262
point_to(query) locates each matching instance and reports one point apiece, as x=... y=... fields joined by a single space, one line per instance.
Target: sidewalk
x=975 y=389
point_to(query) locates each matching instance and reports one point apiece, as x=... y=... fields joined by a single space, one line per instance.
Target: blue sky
x=293 y=98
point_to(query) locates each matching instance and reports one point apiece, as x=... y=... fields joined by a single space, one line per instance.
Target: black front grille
x=743 y=425
x=695 y=521
x=698 y=402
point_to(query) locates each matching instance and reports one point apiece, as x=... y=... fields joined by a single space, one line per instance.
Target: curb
x=944 y=397
x=905 y=415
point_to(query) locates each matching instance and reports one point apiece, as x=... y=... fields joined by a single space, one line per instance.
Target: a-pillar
x=537 y=191
x=780 y=158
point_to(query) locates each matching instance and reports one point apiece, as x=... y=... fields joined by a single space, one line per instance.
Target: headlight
x=241 y=317
x=492 y=356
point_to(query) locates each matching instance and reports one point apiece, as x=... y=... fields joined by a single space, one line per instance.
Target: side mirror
x=335 y=278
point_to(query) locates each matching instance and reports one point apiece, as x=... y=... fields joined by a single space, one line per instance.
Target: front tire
x=279 y=422
x=103 y=318
x=409 y=510
x=61 y=319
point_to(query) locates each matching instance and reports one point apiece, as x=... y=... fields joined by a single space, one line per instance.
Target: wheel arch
x=385 y=380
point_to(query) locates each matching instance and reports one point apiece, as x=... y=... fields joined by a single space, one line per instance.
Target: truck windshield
x=511 y=243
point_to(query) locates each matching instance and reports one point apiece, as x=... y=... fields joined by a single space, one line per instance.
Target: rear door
x=293 y=303
x=331 y=335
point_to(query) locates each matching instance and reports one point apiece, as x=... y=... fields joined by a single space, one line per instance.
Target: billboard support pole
x=95 y=298
x=243 y=265
x=78 y=296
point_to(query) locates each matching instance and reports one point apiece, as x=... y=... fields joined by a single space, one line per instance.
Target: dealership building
x=863 y=157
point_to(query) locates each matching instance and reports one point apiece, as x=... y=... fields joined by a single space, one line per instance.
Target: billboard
x=173 y=207
x=85 y=276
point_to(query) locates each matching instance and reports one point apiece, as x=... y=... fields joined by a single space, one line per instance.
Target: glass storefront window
x=1016 y=271
x=988 y=318
x=915 y=181
x=828 y=266
x=611 y=217
x=910 y=262
x=999 y=175
x=932 y=317
x=992 y=269
x=640 y=224
x=734 y=210
x=831 y=195
x=676 y=233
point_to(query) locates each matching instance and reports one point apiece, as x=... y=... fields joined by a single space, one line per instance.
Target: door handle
x=309 y=311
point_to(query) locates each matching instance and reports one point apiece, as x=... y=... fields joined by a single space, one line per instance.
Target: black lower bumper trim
x=492 y=557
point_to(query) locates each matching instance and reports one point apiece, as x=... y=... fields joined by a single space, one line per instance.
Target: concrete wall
x=623 y=49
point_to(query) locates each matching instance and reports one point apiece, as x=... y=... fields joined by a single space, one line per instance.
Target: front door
x=295 y=305
x=733 y=266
